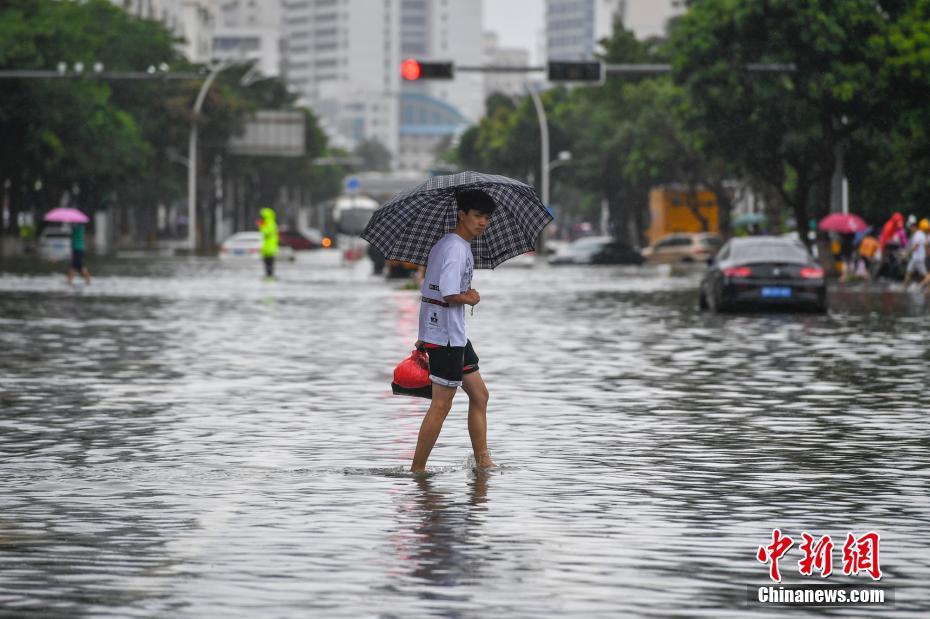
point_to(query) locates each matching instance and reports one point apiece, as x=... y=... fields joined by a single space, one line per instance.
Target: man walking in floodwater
x=452 y=359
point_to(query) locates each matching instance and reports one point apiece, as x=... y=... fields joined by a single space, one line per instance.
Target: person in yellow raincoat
x=269 y=230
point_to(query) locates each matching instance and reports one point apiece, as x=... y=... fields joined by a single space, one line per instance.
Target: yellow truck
x=674 y=208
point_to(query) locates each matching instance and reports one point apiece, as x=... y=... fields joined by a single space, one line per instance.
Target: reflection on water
x=183 y=439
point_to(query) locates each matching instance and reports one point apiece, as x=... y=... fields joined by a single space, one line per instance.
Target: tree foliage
x=860 y=80
x=125 y=138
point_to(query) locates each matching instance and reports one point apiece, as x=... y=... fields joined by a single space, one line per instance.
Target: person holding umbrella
x=446 y=225
x=77 y=219
x=452 y=360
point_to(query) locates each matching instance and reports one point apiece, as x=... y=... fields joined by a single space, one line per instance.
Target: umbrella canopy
x=66 y=215
x=408 y=225
x=845 y=223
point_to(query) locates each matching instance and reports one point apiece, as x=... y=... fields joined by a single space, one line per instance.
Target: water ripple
x=183 y=439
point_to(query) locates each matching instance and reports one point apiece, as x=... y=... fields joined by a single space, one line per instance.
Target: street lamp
x=564 y=157
x=192 y=158
x=192 y=150
x=544 y=143
x=546 y=166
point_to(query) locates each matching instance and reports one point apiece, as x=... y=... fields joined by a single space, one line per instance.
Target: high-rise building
x=575 y=27
x=649 y=18
x=249 y=30
x=192 y=21
x=510 y=84
x=342 y=57
x=432 y=113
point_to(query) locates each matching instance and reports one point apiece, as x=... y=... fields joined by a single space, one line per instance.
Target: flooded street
x=183 y=439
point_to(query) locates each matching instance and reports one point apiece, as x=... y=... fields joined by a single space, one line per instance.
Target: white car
x=249 y=245
x=54 y=242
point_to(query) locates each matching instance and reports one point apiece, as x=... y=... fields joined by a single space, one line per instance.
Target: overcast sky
x=518 y=23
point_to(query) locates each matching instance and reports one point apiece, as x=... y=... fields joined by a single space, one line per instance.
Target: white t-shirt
x=448 y=271
x=919 y=243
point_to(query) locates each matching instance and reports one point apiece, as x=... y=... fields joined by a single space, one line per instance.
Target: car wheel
x=717 y=305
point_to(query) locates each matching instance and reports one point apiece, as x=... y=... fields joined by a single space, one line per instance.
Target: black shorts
x=77 y=259
x=447 y=364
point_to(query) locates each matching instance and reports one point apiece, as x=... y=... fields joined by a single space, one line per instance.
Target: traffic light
x=576 y=71
x=412 y=69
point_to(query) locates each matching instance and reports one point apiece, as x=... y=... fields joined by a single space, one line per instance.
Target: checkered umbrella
x=408 y=225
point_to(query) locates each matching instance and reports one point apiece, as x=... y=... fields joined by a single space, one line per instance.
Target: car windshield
x=769 y=250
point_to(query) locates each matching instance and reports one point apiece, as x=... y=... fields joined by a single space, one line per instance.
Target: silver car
x=54 y=242
x=249 y=245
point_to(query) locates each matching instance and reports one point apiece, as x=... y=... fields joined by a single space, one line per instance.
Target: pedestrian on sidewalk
x=453 y=363
x=78 y=246
x=269 y=230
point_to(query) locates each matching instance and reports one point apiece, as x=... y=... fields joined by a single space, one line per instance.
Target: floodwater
x=182 y=439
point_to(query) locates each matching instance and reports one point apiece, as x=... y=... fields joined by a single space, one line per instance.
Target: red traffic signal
x=412 y=70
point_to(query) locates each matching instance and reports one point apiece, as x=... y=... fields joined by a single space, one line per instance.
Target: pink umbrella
x=67 y=215
x=842 y=222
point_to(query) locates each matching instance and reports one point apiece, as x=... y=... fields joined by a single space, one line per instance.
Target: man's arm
x=465 y=298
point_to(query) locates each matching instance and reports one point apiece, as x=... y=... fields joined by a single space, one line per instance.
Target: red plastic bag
x=411 y=376
x=413 y=372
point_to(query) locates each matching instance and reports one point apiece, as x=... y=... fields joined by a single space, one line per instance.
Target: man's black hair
x=474 y=200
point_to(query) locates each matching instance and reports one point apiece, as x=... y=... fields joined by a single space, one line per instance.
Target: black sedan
x=763 y=271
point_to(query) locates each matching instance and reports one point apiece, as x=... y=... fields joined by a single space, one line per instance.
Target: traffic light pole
x=571 y=71
x=613 y=70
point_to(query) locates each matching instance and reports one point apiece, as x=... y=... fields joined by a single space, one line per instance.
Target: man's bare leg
x=85 y=274
x=477 y=392
x=432 y=424
x=70 y=276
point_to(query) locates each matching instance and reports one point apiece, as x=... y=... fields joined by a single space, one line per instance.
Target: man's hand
x=471 y=297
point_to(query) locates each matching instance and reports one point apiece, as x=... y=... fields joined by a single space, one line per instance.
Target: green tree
x=68 y=131
x=125 y=138
x=374 y=155
x=786 y=130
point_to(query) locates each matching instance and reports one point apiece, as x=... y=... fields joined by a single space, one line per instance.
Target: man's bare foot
x=485 y=462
